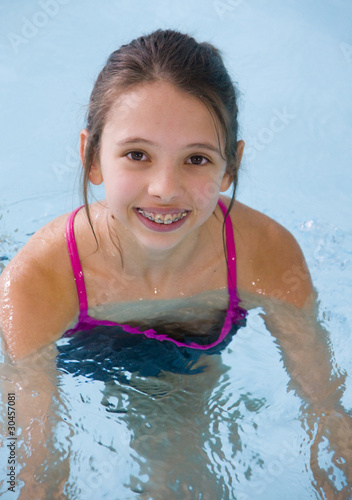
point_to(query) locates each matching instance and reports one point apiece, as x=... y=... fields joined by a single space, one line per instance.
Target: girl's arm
x=279 y=282
x=307 y=356
x=37 y=293
x=31 y=396
x=289 y=314
x=270 y=263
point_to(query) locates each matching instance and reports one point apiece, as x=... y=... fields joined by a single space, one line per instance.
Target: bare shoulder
x=37 y=291
x=270 y=261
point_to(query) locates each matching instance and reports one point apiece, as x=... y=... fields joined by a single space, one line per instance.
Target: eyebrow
x=134 y=140
x=200 y=145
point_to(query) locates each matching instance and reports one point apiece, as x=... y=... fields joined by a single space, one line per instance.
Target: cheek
x=121 y=190
x=205 y=192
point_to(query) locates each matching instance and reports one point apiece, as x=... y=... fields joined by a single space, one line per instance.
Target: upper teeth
x=162 y=218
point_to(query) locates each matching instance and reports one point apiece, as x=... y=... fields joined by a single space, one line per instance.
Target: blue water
x=233 y=428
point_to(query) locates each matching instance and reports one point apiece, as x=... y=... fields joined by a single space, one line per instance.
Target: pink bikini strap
x=230 y=249
x=75 y=262
x=77 y=268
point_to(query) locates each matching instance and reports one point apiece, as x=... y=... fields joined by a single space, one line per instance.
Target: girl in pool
x=162 y=135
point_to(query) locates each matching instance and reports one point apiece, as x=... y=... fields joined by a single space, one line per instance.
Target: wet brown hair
x=164 y=55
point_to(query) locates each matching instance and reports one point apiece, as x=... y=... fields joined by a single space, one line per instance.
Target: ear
x=95 y=174
x=228 y=177
x=239 y=152
x=226 y=182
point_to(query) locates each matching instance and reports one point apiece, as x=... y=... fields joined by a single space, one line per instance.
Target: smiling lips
x=163 y=218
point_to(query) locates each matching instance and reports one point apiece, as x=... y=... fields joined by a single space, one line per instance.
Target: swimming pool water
x=232 y=427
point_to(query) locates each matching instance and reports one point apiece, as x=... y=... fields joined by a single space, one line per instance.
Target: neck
x=152 y=265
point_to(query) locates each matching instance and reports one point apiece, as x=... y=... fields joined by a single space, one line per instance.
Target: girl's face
x=161 y=164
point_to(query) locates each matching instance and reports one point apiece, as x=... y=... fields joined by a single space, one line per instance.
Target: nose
x=166 y=183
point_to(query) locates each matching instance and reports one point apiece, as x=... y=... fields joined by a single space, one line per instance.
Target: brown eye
x=136 y=155
x=198 y=160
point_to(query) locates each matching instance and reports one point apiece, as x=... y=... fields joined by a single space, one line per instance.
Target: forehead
x=159 y=108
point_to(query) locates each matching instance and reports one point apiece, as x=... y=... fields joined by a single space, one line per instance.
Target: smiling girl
x=161 y=134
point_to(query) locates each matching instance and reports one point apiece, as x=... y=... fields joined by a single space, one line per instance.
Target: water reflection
x=170 y=401
x=120 y=416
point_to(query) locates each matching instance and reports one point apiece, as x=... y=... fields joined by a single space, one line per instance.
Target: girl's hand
x=334 y=433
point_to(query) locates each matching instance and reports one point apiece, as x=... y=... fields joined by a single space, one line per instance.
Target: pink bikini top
x=234 y=314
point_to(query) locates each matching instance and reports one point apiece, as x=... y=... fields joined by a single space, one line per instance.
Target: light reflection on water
x=199 y=431
x=229 y=428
